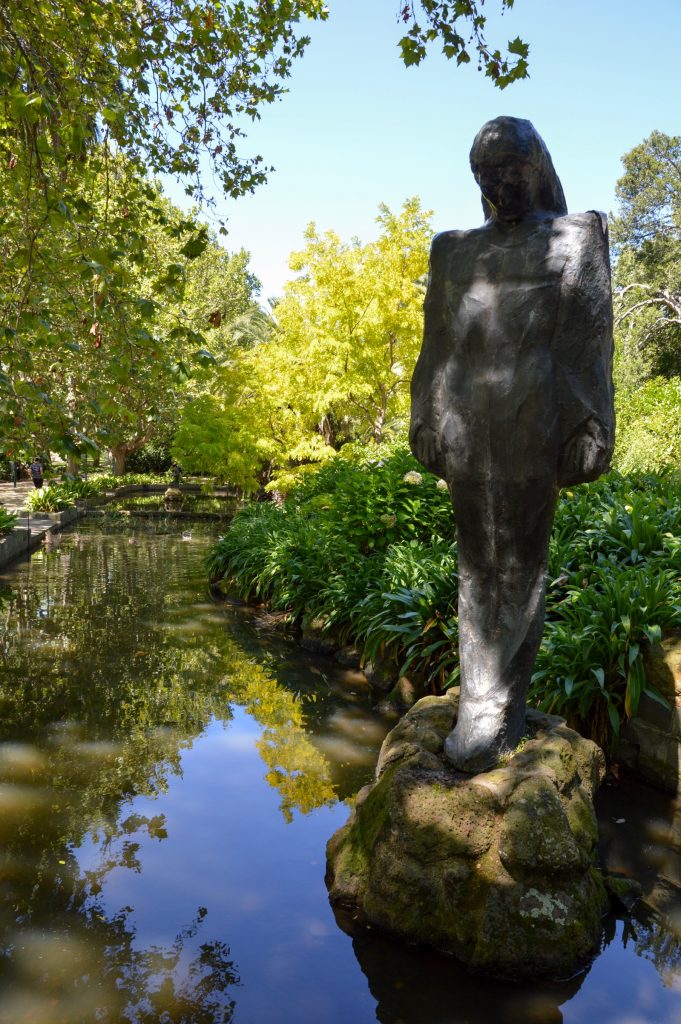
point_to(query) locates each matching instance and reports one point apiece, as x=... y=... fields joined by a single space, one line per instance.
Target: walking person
x=36 y=471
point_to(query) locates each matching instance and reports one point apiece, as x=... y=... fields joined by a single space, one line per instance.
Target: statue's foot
x=480 y=738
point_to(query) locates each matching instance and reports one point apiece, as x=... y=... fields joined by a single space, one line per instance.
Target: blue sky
x=357 y=128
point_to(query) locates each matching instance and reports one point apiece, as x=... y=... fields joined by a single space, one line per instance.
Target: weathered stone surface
x=316 y=638
x=348 y=657
x=382 y=673
x=512 y=398
x=650 y=743
x=498 y=869
x=173 y=498
x=13 y=544
x=663 y=666
x=406 y=691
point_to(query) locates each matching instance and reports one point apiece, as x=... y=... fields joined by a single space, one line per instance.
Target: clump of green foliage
x=153 y=457
x=649 y=427
x=366 y=524
x=615 y=584
x=7 y=521
x=52 y=498
x=367 y=545
x=103 y=482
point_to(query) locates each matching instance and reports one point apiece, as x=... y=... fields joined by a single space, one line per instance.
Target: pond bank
x=32 y=530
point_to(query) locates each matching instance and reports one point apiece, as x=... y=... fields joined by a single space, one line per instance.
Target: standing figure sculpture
x=512 y=398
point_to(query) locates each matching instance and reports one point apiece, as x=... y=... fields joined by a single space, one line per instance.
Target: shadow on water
x=168 y=779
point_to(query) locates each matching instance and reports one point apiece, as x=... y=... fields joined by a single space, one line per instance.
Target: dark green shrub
x=153 y=457
x=369 y=549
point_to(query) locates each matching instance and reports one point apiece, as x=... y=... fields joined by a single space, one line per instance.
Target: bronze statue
x=512 y=398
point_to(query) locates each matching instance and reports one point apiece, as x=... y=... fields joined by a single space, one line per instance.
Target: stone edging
x=23 y=539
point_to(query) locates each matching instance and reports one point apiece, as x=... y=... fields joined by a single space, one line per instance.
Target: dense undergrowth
x=367 y=545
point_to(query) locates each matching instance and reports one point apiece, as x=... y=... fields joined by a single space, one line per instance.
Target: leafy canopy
x=445 y=21
x=336 y=367
x=646 y=233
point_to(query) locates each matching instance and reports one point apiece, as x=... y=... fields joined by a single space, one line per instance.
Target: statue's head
x=515 y=173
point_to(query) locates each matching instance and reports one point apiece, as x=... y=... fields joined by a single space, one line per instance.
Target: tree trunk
x=118 y=455
x=72 y=465
x=378 y=426
x=327 y=431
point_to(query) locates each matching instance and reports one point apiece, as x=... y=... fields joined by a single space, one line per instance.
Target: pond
x=169 y=777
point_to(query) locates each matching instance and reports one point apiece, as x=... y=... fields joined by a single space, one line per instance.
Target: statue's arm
x=583 y=356
x=428 y=380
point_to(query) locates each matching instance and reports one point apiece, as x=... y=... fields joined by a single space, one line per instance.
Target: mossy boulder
x=497 y=868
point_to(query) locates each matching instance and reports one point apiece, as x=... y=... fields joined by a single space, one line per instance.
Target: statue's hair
x=516 y=135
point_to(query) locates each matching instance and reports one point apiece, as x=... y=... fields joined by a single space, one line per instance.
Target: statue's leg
x=503 y=536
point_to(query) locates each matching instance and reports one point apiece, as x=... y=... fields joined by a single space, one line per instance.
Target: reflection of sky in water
x=624 y=988
x=159 y=857
x=262 y=880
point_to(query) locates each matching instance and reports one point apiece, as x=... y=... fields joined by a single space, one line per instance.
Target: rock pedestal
x=173 y=499
x=497 y=868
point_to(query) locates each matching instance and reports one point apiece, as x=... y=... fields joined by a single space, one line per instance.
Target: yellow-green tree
x=349 y=325
x=336 y=366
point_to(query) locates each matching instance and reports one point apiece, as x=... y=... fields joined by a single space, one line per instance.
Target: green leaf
x=518 y=47
x=657 y=697
x=614 y=718
x=180 y=371
x=204 y=358
x=146 y=307
x=196 y=245
x=600 y=676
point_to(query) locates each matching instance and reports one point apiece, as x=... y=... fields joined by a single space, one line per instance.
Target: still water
x=169 y=776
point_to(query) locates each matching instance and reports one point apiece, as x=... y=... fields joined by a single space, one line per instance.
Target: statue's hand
x=425 y=446
x=585 y=455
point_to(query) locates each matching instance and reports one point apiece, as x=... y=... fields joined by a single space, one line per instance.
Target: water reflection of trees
x=110 y=635
x=655 y=937
x=109 y=670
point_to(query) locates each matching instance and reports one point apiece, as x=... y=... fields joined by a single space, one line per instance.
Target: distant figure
x=36 y=471
x=512 y=398
x=176 y=471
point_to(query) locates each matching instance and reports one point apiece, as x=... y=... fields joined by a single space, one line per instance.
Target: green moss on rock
x=498 y=868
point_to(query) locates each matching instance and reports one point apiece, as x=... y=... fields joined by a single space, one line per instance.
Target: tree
x=105 y=353
x=337 y=365
x=87 y=86
x=646 y=234
x=444 y=20
x=349 y=326
x=648 y=436
x=170 y=80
